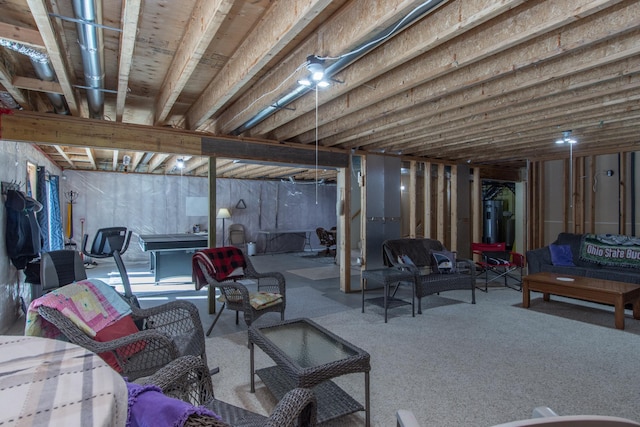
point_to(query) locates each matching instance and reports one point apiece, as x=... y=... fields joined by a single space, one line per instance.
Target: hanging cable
x=316 y=145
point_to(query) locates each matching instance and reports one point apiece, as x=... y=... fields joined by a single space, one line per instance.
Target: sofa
x=539 y=260
x=418 y=255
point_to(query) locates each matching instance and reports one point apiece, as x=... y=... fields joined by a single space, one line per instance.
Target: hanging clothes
x=43 y=214
x=23 y=232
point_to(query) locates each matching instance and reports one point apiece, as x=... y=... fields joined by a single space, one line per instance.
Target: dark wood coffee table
x=610 y=292
x=308 y=355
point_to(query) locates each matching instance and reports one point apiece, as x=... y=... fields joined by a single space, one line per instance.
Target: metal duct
x=89 y=12
x=341 y=63
x=43 y=69
x=8 y=101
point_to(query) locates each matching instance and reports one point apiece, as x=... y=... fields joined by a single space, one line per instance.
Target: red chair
x=496 y=263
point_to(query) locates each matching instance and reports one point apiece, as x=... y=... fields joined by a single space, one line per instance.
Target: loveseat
x=418 y=255
x=539 y=260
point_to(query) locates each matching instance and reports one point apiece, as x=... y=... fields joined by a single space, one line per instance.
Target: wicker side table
x=388 y=276
x=308 y=355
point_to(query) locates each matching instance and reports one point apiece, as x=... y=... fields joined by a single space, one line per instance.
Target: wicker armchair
x=235 y=295
x=187 y=379
x=168 y=331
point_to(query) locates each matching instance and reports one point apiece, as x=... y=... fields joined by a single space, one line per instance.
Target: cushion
x=561 y=255
x=497 y=257
x=444 y=261
x=261 y=300
x=405 y=259
x=118 y=329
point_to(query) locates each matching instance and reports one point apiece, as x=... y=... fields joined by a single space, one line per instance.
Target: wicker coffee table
x=308 y=355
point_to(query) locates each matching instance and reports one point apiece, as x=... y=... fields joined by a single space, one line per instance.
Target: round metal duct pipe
x=43 y=69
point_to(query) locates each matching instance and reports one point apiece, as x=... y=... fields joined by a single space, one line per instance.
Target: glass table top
x=306 y=345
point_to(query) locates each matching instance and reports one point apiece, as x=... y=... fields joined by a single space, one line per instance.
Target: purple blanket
x=148 y=407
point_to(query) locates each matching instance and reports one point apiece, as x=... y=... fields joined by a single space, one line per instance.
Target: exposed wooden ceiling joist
x=489 y=82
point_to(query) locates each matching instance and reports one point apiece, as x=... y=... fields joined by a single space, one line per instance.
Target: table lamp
x=224 y=214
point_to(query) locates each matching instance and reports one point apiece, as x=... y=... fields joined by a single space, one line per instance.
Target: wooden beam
x=92 y=157
x=344 y=227
x=157 y=160
x=79 y=132
x=6 y=79
x=130 y=16
x=26 y=36
x=450 y=20
x=56 y=56
x=441 y=207
x=114 y=161
x=413 y=165
x=567 y=193
x=350 y=27
x=427 y=201
x=579 y=202
x=477 y=216
x=498 y=120
x=453 y=209
x=37 y=85
x=505 y=96
x=206 y=19
x=592 y=198
x=212 y=232
x=622 y=177
x=514 y=49
x=294 y=153
x=280 y=25
x=135 y=161
x=60 y=151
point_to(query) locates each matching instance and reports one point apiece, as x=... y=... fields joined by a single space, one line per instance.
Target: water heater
x=491 y=222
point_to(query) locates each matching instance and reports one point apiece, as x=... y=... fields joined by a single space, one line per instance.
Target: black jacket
x=23 y=232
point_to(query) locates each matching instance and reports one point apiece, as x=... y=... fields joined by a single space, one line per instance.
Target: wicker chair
x=168 y=331
x=235 y=295
x=187 y=379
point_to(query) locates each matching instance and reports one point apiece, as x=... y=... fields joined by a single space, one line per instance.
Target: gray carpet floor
x=457 y=364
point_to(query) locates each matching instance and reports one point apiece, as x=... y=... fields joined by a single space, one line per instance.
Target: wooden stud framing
x=592 y=199
x=413 y=165
x=453 y=211
x=622 y=176
x=441 y=206
x=344 y=227
x=427 y=217
x=476 y=209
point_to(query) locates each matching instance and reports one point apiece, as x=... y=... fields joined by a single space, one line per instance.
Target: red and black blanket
x=217 y=263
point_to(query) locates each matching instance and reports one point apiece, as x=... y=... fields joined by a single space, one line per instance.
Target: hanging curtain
x=43 y=214
x=56 y=238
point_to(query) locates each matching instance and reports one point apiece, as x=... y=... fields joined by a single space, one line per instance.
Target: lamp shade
x=223 y=213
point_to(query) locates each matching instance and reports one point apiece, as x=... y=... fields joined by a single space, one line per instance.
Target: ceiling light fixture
x=566 y=138
x=315 y=67
x=316 y=77
x=180 y=163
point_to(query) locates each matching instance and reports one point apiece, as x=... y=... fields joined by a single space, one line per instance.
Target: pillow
x=261 y=300
x=561 y=255
x=118 y=329
x=405 y=259
x=444 y=261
